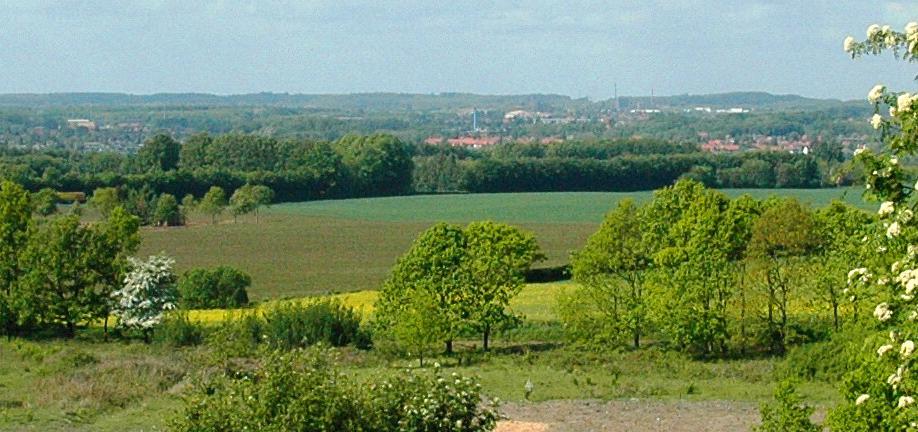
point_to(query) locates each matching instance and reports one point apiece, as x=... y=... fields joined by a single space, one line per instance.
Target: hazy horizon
x=577 y=49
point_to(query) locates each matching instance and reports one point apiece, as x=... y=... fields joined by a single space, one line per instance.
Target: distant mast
x=475 y=119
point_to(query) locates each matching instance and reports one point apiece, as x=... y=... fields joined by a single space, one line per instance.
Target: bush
x=288 y=326
x=302 y=390
x=292 y=325
x=787 y=413
x=177 y=330
x=222 y=287
x=826 y=361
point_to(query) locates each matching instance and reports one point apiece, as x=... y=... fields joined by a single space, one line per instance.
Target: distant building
x=719 y=146
x=81 y=123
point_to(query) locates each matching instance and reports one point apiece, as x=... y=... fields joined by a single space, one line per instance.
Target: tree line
x=382 y=165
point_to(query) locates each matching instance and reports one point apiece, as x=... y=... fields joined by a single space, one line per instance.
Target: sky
x=576 y=47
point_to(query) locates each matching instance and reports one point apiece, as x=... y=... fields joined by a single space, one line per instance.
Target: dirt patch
x=629 y=415
x=518 y=426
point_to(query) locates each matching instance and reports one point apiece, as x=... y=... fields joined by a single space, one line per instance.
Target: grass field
x=333 y=246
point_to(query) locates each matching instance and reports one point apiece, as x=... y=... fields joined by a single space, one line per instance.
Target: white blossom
x=887 y=208
x=882 y=312
x=884 y=349
x=876 y=121
x=849 y=44
x=894 y=161
x=904 y=102
x=906 y=216
x=893 y=230
x=859 y=150
x=905 y=401
x=148 y=292
x=911 y=29
x=908 y=347
x=876 y=93
x=861 y=399
x=873 y=31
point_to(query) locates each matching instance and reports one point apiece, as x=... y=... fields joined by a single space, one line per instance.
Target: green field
x=320 y=247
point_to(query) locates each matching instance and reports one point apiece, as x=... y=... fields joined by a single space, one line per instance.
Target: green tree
x=377 y=164
x=104 y=200
x=15 y=219
x=782 y=236
x=44 y=202
x=116 y=238
x=242 y=202
x=262 y=197
x=689 y=229
x=159 y=153
x=499 y=256
x=840 y=228
x=222 y=287
x=420 y=327
x=435 y=266
x=213 y=203
x=58 y=284
x=188 y=205
x=167 y=212
x=611 y=269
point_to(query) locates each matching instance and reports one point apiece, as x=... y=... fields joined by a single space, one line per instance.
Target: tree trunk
x=487 y=334
x=835 y=314
x=105 y=328
x=449 y=347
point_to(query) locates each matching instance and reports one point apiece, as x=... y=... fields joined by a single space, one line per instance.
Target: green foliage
x=58 y=283
x=787 y=413
x=304 y=391
x=292 y=325
x=222 y=287
x=177 y=330
x=44 y=202
x=213 y=203
x=167 y=212
x=15 y=220
x=104 y=200
x=610 y=269
x=463 y=277
x=159 y=153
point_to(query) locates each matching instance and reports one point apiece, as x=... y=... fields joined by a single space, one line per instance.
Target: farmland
x=320 y=247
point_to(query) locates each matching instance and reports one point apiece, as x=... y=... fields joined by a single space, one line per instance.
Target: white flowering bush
x=148 y=293
x=881 y=390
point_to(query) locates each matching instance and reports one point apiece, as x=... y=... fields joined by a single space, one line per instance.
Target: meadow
x=321 y=247
x=346 y=248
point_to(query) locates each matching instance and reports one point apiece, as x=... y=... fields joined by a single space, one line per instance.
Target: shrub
x=177 y=330
x=294 y=325
x=302 y=390
x=787 y=413
x=222 y=287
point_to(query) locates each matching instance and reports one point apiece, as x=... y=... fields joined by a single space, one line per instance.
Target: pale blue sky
x=575 y=47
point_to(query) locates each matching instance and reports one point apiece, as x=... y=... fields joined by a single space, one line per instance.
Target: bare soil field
x=631 y=415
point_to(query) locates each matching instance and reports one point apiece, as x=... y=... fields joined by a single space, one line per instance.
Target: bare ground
x=628 y=416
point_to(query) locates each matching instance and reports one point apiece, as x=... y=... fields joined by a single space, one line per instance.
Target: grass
x=131 y=386
x=321 y=247
x=547 y=207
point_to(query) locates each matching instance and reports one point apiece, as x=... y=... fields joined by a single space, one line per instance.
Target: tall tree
x=611 y=269
x=499 y=256
x=436 y=266
x=781 y=237
x=15 y=219
x=213 y=203
x=58 y=284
